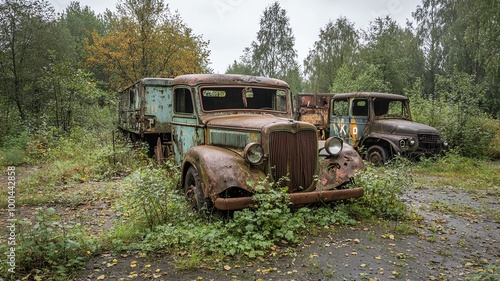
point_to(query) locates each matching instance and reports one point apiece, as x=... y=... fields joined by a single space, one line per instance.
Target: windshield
x=386 y=108
x=243 y=98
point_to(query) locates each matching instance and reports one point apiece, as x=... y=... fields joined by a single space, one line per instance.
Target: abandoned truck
x=381 y=125
x=229 y=132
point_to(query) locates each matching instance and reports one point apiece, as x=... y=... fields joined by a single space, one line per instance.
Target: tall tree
x=29 y=40
x=474 y=37
x=81 y=22
x=395 y=52
x=244 y=65
x=432 y=18
x=146 y=40
x=337 y=46
x=273 y=53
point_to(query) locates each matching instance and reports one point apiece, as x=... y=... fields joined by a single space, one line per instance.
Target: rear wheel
x=376 y=155
x=194 y=192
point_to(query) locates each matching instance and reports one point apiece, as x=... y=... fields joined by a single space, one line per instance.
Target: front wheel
x=376 y=155
x=194 y=192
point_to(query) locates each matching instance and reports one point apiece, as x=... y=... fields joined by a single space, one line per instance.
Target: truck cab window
x=341 y=108
x=360 y=107
x=183 y=101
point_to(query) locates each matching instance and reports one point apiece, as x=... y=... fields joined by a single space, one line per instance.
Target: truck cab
x=230 y=132
x=379 y=125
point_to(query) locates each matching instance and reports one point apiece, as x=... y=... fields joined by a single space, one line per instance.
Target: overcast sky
x=232 y=25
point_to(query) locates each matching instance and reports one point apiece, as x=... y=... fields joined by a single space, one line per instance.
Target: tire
x=376 y=155
x=194 y=192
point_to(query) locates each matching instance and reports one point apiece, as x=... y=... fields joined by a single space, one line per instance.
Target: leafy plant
x=383 y=188
x=154 y=196
x=49 y=244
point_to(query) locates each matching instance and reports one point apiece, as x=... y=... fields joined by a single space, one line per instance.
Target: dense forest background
x=60 y=72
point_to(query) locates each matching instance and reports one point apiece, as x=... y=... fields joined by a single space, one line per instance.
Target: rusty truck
x=228 y=132
x=378 y=125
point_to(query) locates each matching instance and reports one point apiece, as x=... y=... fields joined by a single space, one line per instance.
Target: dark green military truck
x=380 y=124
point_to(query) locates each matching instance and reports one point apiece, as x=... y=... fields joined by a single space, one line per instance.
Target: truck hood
x=247 y=121
x=402 y=127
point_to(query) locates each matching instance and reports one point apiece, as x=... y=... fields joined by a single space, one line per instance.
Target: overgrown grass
x=175 y=228
x=55 y=161
x=468 y=174
x=46 y=247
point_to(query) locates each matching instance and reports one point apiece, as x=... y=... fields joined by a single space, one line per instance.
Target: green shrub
x=454 y=109
x=154 y=196
x=12 y=151
x=383 y=189
x=48 y=247
x=251 y=232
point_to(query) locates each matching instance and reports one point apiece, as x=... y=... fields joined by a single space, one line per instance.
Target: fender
x=220 y=169
x=390 y=139
x=336 y=170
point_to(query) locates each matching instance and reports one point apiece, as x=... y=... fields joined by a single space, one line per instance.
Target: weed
x=153 y=195
x=49 y=245
x=383 y=187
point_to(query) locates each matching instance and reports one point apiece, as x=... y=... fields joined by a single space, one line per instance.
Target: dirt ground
x=455 y=235
x=448 y=241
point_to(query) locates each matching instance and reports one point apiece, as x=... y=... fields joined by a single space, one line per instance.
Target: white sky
x=231 y=25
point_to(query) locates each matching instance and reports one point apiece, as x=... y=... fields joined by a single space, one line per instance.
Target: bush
x=251 y=232
x=154 y=196
x=12 y=152
x=383 y=188
x=49 y=245
x=454 y=109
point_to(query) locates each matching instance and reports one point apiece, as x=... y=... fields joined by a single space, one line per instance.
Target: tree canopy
x=146 y=40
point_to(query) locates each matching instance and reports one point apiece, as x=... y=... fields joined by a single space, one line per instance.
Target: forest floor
x=455 y=236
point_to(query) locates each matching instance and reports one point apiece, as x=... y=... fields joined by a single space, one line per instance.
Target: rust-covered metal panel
x=297 y=199
x=227 y=79
x=335 y=171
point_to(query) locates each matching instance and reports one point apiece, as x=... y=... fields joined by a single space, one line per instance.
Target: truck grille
x=293 y=155
x=428 y=142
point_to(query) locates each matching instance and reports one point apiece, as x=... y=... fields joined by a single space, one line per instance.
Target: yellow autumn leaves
x=144 y=42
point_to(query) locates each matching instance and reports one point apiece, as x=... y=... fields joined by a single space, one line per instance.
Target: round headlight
x=412 y=142
x=333 y=146
x=254 y=153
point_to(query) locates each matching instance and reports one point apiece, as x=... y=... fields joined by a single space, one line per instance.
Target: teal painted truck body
x=145 y=107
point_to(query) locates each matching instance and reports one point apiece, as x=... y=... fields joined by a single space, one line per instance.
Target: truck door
x=348 y=119
x=339 y=119
x=186 y=130
x=359 y=119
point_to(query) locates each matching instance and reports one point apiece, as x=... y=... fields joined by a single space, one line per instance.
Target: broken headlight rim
x=333 y=146
x=254 y=153
x=402 y=143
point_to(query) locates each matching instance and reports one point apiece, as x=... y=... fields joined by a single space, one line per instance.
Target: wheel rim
x=376 y=156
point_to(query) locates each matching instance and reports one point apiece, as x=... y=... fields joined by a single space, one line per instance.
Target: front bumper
x=298 y=198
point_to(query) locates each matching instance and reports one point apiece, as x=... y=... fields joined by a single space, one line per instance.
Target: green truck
x=378 y=125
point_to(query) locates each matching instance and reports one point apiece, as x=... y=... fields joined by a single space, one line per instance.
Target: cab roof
x=369 y=95
x=227 y=79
